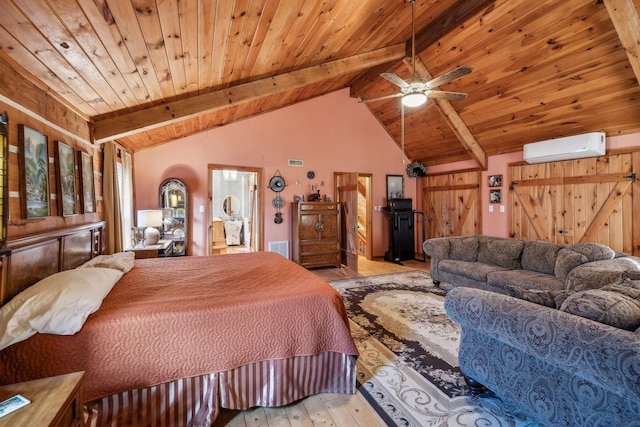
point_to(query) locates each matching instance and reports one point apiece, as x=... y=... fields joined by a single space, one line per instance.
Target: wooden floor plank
x=298 y=416
x=318 y=412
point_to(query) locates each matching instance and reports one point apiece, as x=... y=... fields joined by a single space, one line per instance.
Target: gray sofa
x=528 y=269
x=551 y=329
x=574 y=366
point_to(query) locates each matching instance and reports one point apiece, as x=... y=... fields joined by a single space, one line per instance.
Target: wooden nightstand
x=55 y=401
x=164 y=248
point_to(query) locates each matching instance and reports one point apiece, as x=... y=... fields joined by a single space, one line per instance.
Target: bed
x=177 y=339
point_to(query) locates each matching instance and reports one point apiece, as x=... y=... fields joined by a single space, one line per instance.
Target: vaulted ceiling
x=145 y=72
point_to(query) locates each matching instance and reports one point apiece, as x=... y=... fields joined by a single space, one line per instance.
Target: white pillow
x=58 y=304
x=122 y=261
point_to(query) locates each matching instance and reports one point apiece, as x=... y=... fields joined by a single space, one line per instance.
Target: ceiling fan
x=416 y=92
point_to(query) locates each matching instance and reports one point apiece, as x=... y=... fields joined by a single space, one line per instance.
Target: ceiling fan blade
x=450 y=76
x=380 y=98
x=393 y=78
x=441 y=94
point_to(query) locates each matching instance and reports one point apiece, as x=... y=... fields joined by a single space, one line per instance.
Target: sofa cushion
x=524 y=279
x=540 y=256
x=594 y=251
x=473 y=270
x=463 y=249
x=566 y=261
x=605 y=306
x=502 y=252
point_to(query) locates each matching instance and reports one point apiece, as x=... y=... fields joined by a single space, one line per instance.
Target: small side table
x=164 y=248
x=55 y=401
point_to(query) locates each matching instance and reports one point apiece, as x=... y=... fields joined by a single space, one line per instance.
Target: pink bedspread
x=179 y=317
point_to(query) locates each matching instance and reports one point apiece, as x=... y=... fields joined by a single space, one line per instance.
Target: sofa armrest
x=593 y=351
x=437 y=249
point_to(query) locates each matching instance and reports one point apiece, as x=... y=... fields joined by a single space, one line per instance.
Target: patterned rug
x=408 y=364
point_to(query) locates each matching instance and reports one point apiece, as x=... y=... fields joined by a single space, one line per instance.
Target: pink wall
x=496 y=223
x=329 y=133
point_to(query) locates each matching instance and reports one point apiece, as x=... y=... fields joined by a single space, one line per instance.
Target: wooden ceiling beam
x=627 y=24
x=453 y=119
x=446 y=22
x=161 y=115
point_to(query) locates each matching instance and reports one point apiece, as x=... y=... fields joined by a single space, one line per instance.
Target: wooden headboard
x=32 y=258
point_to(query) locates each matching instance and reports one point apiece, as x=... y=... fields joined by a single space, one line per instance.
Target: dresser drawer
x=319 y=247
x=324 y=259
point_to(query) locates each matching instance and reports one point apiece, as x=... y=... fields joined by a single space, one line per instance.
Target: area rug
x=408 y=364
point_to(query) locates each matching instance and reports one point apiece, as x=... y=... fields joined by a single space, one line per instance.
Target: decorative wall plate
x=178 y=232
x=276 y=183
x=277 y=202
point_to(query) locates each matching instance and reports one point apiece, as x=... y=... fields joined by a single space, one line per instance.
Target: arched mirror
x=231 y=206
x=173 y=198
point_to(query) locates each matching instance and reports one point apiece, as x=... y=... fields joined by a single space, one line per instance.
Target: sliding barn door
x=452 y=204
x=586 y=200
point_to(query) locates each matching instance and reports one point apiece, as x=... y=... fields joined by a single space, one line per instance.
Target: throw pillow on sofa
x=607 y=306
x=594 y=251
x=540 y=256
x=566 y=261
x=501 y=252
x=464 y=249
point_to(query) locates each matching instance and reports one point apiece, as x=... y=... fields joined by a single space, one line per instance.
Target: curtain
x=126 y=180
x=112 y=206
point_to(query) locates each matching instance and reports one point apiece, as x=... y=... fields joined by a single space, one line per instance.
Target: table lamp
x=150 y=218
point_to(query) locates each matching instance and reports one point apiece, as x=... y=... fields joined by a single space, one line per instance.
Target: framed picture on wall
x=495 y=196
x=395 y=187
x=33 y=157
x=66 y=178
x=87 y=185
x=495 y=181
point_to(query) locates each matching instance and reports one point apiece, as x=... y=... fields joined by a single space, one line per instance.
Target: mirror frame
x=169 y=186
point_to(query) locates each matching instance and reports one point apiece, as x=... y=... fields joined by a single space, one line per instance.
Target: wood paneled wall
x=586 y=200
x=452 y=203
x=32 y=106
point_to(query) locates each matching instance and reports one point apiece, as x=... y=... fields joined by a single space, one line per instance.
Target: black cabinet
x=402 y=228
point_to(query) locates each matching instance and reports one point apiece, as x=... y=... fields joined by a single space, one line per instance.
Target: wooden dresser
x=55 y=401
x=316 y=234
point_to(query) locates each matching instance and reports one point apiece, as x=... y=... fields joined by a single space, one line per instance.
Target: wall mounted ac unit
x=567 y=148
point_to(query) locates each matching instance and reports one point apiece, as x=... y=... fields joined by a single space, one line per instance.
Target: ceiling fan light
x=414 y=99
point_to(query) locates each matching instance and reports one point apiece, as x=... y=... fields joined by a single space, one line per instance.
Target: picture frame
x=66 y=178
x=395 y=187
x=87 y=185
x=495 y=196
x=495 y=181
x=33 y=158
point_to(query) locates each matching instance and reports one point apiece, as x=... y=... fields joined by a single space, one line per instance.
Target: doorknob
x=319 y=226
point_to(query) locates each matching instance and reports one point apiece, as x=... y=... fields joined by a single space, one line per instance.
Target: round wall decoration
x=276 y=183
x=277 y=202
x=416 y=169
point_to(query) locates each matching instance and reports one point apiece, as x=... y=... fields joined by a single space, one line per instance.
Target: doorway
x=364 y=237
x=235 y=206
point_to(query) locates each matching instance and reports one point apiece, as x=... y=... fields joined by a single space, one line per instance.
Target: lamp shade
x=150 y=218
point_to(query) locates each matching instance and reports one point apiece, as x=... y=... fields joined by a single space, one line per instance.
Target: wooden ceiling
x=146 y=72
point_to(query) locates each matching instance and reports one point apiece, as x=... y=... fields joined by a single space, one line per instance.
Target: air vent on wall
x=567 y=148
x=280 y=247
x=298 y=163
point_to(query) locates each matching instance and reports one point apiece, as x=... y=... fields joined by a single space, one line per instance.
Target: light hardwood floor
x=324 y=409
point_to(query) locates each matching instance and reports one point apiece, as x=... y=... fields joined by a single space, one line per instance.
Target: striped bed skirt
x=196 y=401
